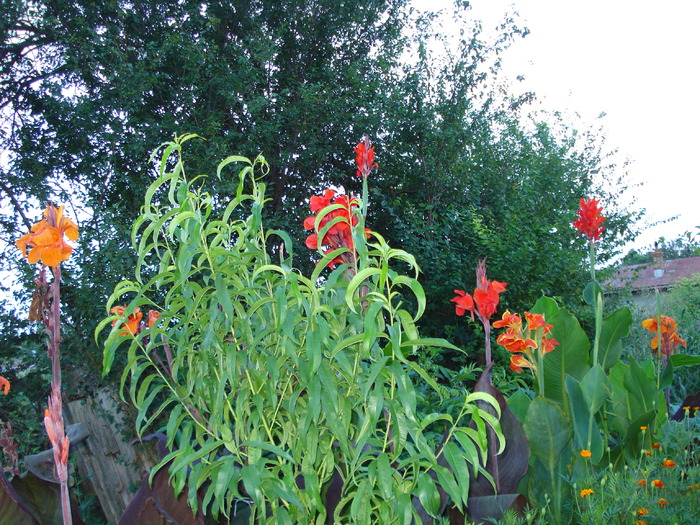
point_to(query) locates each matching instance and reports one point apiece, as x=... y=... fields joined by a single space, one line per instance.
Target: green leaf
x=428 y=495
x=548 y=431
x=615 y=327
x=679 y=360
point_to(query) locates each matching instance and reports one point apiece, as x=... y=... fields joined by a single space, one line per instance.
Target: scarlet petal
x=309 y=223
x=312 y=242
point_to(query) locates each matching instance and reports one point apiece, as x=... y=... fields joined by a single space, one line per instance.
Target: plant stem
x=597 y=304
x=53 y=326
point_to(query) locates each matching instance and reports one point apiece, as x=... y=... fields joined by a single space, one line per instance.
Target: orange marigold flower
x=642 y=482
x=4 y=385
x=655 y=445
x=585 y=492
x=364 y=156
x=658 y=483
x=585 y=453
x=640 y=522
x=45 y=239
x=589 y=219
x=642 y=511
x=662 y=501
x=669 y=463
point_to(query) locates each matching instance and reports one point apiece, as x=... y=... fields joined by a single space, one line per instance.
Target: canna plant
x=45 y=243
x=592 y=411
x=285 y=398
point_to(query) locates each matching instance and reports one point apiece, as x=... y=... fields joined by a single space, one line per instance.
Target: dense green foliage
x=88 y=88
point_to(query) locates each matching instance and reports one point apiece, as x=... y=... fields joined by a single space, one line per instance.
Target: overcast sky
x=636 y=61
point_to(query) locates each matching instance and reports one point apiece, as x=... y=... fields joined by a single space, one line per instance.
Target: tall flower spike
x=364 y=156
x=589 y=220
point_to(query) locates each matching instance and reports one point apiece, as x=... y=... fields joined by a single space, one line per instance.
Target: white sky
x=637 y=61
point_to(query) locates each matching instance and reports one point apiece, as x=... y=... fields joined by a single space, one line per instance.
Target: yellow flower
x=643 y=429
x=585 y=453
x=586 y=492
x=640 y=522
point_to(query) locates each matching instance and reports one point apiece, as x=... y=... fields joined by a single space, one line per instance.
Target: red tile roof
x=650 y=275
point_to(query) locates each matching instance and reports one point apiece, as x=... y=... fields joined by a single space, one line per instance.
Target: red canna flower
x=46 y=238
x=364 y=156
x=342 y=217
x=4 y=385
x=589 y=219
x=485 y=299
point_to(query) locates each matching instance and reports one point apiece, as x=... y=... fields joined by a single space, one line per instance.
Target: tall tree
x=89 y=88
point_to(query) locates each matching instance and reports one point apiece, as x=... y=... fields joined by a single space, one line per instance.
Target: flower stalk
x=46 y=243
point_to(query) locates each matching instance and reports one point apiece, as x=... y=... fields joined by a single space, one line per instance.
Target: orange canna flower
x=4 y=385
x=658 y=483
x=131 y=325
x=516 y=340
x=669 y=337
x=669 y=463
x=45 y=240
x=518 y=362
x=585 y=453
x=153 y=316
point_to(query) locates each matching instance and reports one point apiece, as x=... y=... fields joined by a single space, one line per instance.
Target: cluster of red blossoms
x=669 y=337
x=485 y=299
x=338 y=213
x=524 y=345
x=589 y=220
